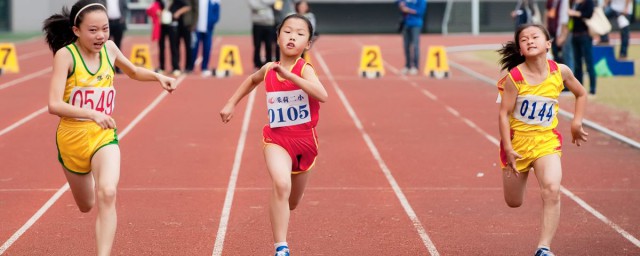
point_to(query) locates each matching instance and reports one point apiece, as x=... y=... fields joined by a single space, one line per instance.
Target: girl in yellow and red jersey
x=82 y=94
x=294 y=93
x=527 y=120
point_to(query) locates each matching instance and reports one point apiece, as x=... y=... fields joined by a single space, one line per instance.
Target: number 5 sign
x=140 y=56
x=8 y=60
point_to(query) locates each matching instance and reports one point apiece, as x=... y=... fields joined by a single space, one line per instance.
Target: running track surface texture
x=407 y=166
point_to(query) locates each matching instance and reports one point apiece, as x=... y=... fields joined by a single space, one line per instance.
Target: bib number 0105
x=291 y=114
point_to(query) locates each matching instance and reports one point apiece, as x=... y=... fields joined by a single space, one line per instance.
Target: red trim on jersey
x=274 y=84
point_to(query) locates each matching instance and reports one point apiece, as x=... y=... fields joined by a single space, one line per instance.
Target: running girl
x=290 y=139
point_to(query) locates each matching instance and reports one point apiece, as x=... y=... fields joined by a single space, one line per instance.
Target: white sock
x=276 y=245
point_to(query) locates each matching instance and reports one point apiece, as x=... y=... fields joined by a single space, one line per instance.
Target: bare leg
x=298 y=184
x=106 y=170
x=82 y=187
x=514 y=187
x=548 y=170
x=279 y=166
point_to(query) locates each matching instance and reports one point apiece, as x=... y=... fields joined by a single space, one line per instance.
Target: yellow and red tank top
x=87 y=89
x=536 y=106
x=288 y=106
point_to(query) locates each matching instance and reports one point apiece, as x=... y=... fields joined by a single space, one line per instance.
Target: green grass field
x=621 y=92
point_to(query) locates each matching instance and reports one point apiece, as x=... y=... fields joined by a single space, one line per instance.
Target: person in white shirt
x=621 y=10
x=117 y=11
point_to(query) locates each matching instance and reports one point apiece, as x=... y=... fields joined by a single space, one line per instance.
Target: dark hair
x=58 y=28
x=161 y=3
x=299 y=3
x=295 y=15
x=511 y=51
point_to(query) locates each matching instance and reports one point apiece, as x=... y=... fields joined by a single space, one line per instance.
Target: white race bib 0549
x=288 y=108
x=535 y=110
x=101 y=99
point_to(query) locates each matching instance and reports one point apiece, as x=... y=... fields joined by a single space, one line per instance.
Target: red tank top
x=289 y=107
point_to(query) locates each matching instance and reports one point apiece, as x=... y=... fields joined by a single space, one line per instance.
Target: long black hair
x=295 y=15
x=58 y=28
x=511 y=51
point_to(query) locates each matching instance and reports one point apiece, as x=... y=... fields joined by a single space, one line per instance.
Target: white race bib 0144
x=535 y=110
x=288 y=108
x=101 y=99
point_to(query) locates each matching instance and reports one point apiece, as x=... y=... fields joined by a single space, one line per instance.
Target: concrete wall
x=28 y=15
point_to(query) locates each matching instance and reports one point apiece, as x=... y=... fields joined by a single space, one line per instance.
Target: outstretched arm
x=245 y=88
x=577 y=133
x=139 y=73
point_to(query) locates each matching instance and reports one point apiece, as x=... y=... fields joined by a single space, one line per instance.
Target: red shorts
x=302 y=146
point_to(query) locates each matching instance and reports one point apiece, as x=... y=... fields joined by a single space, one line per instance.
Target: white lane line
x=25 y=78
x=562 y=112
x=65 y=187
x=228 y=199
x=383 y=166
x=564 y=190
x=23 y=120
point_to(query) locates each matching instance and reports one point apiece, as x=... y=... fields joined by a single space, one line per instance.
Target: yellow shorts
x=78 y=141
x=531 y=146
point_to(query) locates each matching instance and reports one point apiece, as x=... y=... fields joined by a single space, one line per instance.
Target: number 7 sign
x=8 y=59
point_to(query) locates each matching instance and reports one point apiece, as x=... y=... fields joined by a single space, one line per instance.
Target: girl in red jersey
x=527 y=122
x=294 y=93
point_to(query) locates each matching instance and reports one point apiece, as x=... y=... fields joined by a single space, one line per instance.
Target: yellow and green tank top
x=87 y=89
x=536 y=106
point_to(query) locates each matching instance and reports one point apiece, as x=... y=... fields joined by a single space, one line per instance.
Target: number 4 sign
x=228 y=61
x=437 y=65
x=8 y=60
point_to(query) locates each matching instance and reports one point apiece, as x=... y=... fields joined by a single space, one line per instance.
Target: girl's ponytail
x=510 y=56
x=58 y=30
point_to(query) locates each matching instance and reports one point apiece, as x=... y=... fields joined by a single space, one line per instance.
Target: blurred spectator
x=281 y=9
x=178 y=8
x=582 y=42
x=117 y=11
x=208 y=16
x=162 y=25
x=525 y=12
x=302 y=8
x=621 y=10
x=557 y=18
x=413 y=21
x=263 y=20
x=186 y=33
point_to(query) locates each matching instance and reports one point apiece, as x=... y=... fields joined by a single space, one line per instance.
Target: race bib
x=101 y=99
x=535 y=110
x=288 y=108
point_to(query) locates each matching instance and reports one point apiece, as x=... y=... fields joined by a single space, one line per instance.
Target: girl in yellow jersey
x=527 y=120
x=82 y=94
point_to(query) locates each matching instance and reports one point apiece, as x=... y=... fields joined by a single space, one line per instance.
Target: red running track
x=177 y=161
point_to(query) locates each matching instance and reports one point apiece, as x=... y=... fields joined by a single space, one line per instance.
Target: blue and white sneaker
x=544 y=252
x=282 y=251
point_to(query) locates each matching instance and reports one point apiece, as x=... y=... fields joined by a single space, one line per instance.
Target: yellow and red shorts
x=301 y=145
x=78 y=141
x=531 y=146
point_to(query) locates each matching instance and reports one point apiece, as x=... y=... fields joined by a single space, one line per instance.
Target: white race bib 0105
x=101 y=99
x=288 y=108
x=535 y=110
